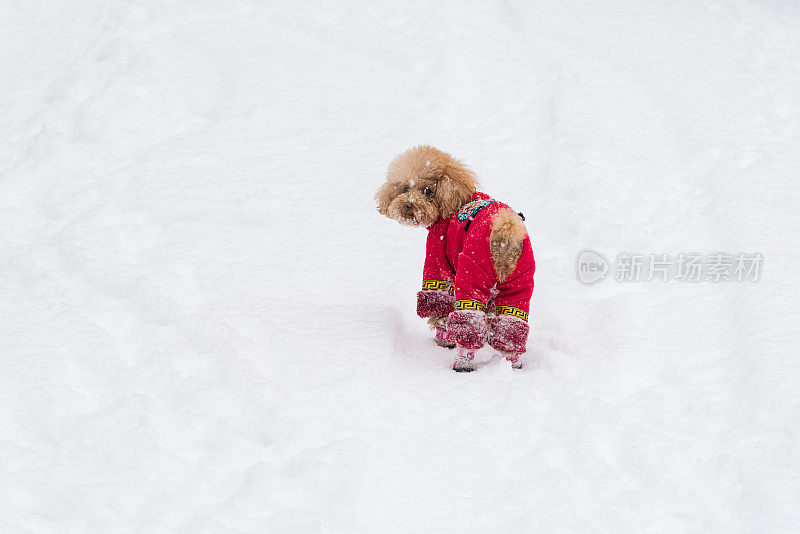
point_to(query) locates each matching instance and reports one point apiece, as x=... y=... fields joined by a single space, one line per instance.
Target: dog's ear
x=385 y=195
x=454 y=187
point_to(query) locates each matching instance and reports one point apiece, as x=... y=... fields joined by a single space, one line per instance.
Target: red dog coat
x=459 y=276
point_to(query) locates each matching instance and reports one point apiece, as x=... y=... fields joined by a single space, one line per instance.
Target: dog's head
x=423 y=185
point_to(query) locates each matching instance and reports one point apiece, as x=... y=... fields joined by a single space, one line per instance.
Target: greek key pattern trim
x=442 y=285
x=511 y=310
x=470 y=305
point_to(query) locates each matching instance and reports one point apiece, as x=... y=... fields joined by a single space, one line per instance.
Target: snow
x=206 y=327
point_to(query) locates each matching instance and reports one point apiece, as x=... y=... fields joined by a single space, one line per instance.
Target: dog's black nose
x=407 y=207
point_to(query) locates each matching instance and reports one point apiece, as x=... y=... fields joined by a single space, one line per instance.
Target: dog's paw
x=514 y=359
x=463 y=361
x=444 y=343
x=441 y=338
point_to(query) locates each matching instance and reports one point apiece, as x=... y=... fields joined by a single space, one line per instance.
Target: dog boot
x=463 y=363
x=514 y=358
x=441 y=338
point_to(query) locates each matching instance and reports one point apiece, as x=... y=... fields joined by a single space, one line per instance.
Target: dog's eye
x=427 y=191
x=405 y=189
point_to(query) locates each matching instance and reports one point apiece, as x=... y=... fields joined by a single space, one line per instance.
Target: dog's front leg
x=439 y=324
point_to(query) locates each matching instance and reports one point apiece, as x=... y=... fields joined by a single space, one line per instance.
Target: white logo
x=591 y=266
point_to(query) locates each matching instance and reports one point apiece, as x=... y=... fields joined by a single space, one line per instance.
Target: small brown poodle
x=478 y=274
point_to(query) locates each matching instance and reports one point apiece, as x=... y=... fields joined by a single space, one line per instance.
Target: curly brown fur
x=505 y=242
x=423 y=185
x=437 y=321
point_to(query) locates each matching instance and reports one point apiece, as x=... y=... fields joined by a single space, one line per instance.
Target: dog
x=477 y=280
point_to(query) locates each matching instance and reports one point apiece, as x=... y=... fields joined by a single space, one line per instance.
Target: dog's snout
x=407 y=207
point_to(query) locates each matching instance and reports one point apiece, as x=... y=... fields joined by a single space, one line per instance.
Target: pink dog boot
x=441 y=338
x=515 y=359
x=463 y=363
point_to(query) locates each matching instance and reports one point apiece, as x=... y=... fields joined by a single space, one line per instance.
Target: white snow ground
x=205 y=326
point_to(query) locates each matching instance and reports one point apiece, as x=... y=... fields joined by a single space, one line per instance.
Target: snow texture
x=206 y=327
